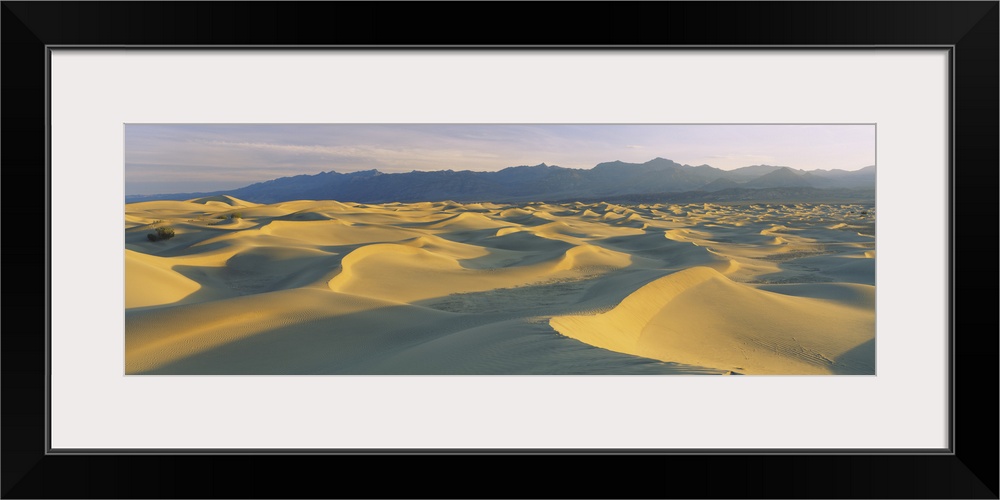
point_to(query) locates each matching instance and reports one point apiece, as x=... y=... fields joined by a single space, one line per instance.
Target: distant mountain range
x=543 y=182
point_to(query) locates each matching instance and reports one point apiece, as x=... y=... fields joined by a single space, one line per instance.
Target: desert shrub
x=162 y=233
x=237 y=215
x=220 y=216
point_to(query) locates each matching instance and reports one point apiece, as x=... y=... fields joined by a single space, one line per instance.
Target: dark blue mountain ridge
x=540 y=182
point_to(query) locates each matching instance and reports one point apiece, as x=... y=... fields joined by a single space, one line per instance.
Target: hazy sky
x=195 y=158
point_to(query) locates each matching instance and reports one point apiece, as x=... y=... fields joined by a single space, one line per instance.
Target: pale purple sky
x=163 y=159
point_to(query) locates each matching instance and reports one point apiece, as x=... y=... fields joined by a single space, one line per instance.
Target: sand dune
x=320 y=286
x=679 y=318
x=141 y=271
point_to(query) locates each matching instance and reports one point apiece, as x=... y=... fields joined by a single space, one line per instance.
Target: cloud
x=307 y=149
x=743 y=157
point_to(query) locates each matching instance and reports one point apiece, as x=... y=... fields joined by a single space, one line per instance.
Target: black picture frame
x=969 y=470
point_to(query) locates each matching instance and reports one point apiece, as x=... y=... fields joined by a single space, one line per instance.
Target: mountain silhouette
x=534 y=183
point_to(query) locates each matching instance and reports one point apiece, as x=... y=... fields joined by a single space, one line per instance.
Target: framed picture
x=479 y=267
x=124 y=400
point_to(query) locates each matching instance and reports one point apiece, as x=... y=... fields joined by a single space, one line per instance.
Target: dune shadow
x=468 y=236
x=407 y=340
x=543 y=298
x=246 y=274
x=860 y=360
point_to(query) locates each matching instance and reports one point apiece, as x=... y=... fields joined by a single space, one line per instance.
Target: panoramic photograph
x=499 y=249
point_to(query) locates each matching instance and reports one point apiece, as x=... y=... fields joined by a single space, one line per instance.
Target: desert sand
x=324 y=287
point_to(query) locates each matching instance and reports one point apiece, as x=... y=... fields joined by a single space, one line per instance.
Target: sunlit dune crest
x=327 y=287
x=698 y=316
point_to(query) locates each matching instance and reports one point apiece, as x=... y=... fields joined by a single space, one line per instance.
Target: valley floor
x=322 y=287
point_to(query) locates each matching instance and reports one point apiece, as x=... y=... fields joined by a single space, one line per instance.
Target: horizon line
x=542 y=164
